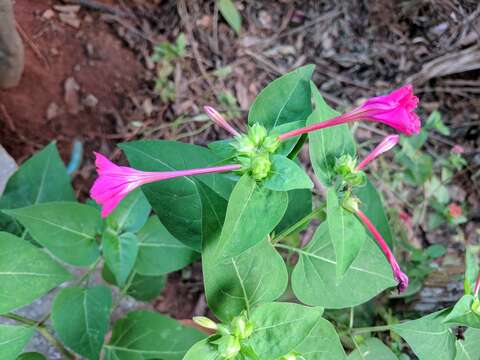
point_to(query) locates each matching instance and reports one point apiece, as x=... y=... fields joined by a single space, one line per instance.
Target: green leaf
x=429 y=337
x=372 y=349
x=183 y=215
x=434 y=121
x=288 y=145
x=140 y=287
x=131 y=214
x=13 y=339
x=371 y=204
x=120 y=253
x=250 y=203
x=66 y=229
x=238 y=283
x=471 y=269
x=462 y=313
x=322 y=343
x=469 y=348
x=346 y=232
x=328 y=144
x=80 y=317
x=26 y=273
x=159 y=252
x=286 y=175
x=284 y=100
x=202 y=350
x=299 y=206
x=230 y=13
x=146 y=335
x=280 y=327
x=31 y=356
x=42 y=178
x=314 y=277
x=223 y=148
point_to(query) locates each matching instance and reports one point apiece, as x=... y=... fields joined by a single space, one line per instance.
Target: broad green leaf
x=202 y=350
x=120 y=253
x=183 y=215
x=230 y=13
x=371 y=204
x=326 y=145
x=322 y=343
x=286 y=175
x=140 y=287
x=314 y=277
x=31 y=356
x=26 y=273
x=66 y=229
x=13 y=339
x=223 y=148
x=80 y=317
x=372 y=349
x=299 y=206
x=42 y=178
x=232 y=285
x=214 y=209
x=159 y=252
x=429 y=337
x=284 y=100
x=469 y=348
x=346 y=233
x=280 y=327
x=252 y=213
x=146 y=335
x=131 y=214
x=462 y=314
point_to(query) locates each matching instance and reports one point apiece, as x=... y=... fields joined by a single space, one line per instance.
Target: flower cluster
x=255 y=148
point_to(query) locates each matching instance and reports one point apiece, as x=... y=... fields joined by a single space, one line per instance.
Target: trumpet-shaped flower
x=399 y=275
x=387 y=143
x=394 y=110
x=218 y=119
x=115 y=182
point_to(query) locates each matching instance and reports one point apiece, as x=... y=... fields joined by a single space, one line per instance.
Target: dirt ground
x=89 y=76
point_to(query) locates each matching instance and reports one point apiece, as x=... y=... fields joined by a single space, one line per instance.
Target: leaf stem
x=299 y=224
x=43 y=331
x=370 y=329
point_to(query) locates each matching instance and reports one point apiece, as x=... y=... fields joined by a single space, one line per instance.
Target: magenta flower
x=400 y=276
x=115 y=182
x=394 y=110
x=220 y=120
x=387 y=143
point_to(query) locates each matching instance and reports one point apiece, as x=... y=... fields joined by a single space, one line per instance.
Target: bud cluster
x=346 y=168
x=229 y=337
x=254 y=150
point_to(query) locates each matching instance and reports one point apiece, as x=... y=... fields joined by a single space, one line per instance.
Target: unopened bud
x=476 y=306
x=257 y=134
x=229 y=347
x=205 y=322
x=345 y=165
x=241 y=327
x=351 y=203
x=261 y=166
x=271 y=144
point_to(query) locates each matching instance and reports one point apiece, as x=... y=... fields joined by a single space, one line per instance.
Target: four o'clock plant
x=235 y=206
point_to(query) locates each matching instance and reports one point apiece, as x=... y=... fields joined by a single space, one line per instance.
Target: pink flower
x=455 y=210
x=220 y=120
x=458 y=149
x=387 y=143
x=394 y=110
x=115 y=182
x=399 y=275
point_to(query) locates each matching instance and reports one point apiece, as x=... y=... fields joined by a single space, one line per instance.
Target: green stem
x=43 y=331
x=371 y=329
x=299 y=224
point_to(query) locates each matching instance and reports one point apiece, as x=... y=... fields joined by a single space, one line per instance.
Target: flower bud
x=345 y=165
x=292 y=356
x=228 y=346
x=351 y=203
x=205 y=322
x=242 y=327
x=261 y=166
x=271 y=144
x=257 y=134
x=245 y=146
